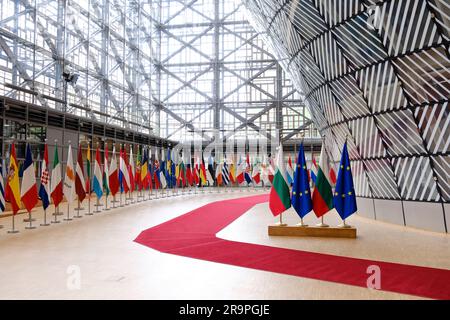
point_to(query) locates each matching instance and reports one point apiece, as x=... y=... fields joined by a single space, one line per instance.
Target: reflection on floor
x=99 y=252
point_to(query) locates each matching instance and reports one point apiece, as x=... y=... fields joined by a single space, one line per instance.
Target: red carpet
x=194 y=235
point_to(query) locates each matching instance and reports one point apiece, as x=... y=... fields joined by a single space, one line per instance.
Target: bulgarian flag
x=322 y=195
x=280 y=197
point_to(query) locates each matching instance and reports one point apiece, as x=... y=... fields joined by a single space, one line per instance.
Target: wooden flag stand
x=312 y=231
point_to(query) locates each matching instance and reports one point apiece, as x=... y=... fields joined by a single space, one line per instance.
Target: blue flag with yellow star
x=344 y=198
x=301 y=195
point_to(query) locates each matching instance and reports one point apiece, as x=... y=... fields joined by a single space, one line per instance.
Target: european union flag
x=344 y=198
x=301 y=195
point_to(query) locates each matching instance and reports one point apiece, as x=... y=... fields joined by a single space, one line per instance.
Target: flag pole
x=89 y=213
x=68 y=204
x=78 y=210
x=13 y=230
x=280 y=222
x=344 y=225
x=56 y=213
x=78 y=200
x=45 y=224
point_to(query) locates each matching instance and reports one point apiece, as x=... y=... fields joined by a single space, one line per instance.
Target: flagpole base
x=280 y=224
x=78 y=217
x=90 y=213
x=301 y=224
x=44 y=224
x=344 y=225
x=30 y=228
x=56 y=221
x=29 y=220
x=322 y=225
x=78 y=209
x=13 y=231
x=67 y=219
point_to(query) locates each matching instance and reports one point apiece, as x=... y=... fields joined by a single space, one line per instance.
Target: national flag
x=332 y=177
x=271 y=170
x=56 y=185
x=150 y=170
x=240 y=171
x=131 y=171
x=189 y=176
x=290 y=172
x=181 y=177
x=210 y=172
x=88 y=170
x=203 y=177
x=156 y=173
x=2 y=191
x=44 y=189
x=98 y=175
x=314 y=169
x=80 y=184
x=219 y=178
x=172 y=175
x=247 y=171
x=113 y=174
x=124 y=176
x=232 y=173
x=137 y=175
x=69 y=178
x=301 y=195
x=144 y=182
x=256 y=173
x=322 y=195
x=106 y=172
x=344 y=198
x=195 y=172
x=28 y=190
x=279 y=200
x=12 y=192
x=265 y=171
x=162 y=173
x=225 y=173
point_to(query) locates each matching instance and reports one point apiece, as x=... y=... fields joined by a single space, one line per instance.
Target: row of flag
x=108 y=178
x=142 y=174
x=323 y=198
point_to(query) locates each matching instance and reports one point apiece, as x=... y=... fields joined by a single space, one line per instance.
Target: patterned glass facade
x=377 y=74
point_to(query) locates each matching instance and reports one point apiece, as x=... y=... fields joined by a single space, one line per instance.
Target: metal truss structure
x=173 y=68
x=109 y=45
x=375 y=73
x=217 y=74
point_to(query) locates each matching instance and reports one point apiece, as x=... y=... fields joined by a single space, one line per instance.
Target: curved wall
x=376 y=72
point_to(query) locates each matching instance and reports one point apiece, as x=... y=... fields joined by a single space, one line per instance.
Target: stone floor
x=95 y=257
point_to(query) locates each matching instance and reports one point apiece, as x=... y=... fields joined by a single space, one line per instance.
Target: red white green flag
x=280 y=197
x=322 y=195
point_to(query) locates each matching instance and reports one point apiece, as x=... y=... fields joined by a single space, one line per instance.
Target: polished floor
x=95 y=257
